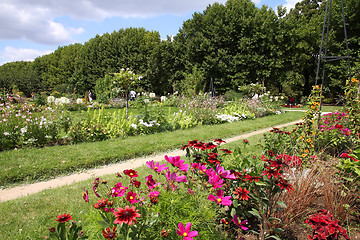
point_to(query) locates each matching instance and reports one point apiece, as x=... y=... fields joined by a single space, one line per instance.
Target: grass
x=31 y=164
x=30 y=217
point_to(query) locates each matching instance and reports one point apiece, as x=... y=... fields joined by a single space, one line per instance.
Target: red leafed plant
x=325 y=227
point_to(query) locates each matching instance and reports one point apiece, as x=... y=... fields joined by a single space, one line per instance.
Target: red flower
x=284 y=184
x=63 y=218
x=271 y=172
x=131 y=173
x=246 y=141
x=338 y=126
x=210 y=145
x=226 y=151
x=137 y=184
x=242 y=193
x=101 y=203
x=193 y=142
x=251 y=178
x=219 y=140
x=184 y=147
x=127 y=215
x=131 y=197
x=110 y=234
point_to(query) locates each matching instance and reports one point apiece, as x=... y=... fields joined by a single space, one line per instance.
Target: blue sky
x=31 y=28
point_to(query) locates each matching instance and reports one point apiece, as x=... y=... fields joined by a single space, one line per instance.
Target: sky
x=32 y=28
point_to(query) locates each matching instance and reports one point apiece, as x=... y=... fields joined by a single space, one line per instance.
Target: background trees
x=234 y=44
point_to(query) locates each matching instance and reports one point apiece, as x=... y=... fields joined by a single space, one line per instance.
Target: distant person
x=132 y=95
x=89 y=96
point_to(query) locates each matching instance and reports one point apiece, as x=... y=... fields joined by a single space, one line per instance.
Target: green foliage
x=193 y=84
x=103 y=88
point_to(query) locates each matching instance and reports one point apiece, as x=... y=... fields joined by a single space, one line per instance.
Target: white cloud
x=290 y=4
x=11 y=54
x=33 y=23
x=257 y=1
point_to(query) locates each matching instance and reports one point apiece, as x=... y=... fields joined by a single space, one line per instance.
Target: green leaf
x=281 y=204
x=233 y=212
x=260 y=183
x=273 y=237
x=255 y=213
x=235 y=203
x=103 y=224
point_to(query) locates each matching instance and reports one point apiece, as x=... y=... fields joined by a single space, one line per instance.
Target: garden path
x=28 y=189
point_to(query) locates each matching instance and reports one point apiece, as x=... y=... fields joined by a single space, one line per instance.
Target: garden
x=300 y=182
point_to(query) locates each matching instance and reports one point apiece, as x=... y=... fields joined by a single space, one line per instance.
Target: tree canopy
x=234 y=44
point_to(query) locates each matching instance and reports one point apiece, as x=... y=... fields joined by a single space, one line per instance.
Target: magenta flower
x=119 y=190
x=150 y=182
x=215 y=181
x=86 y=195
x=154 y=194
x=239 y=224
x=131 y=197
x=220 y=199
x=177 y=162
x=156 y=166
x=174 y=177
x=224 y=174
x=185 y=232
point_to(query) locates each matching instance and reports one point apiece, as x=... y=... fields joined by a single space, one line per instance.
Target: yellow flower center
x=156 y=168
x=185 y=234
x=219 y=200
x=131 y=197
x=131 y=174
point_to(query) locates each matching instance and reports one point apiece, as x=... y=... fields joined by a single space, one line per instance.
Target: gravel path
x=24 y=190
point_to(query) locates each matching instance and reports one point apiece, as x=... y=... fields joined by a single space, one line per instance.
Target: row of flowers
x=241 y=201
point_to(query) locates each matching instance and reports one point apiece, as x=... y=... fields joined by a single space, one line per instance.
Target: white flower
x=79 y=101
x=61 y=101
x=133 y=125
x=146 y=100
x=152 y=95
x=23 y=130
x=282 y=97
x=163 y=98
x=6 y=133
x=50 y=99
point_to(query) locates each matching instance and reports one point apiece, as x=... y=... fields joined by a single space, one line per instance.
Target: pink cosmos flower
x=220 y=199
x=86 y=195
x=174 y=177
x=216 y=181
x=131 y=197
x=238 y=223
x=154 y=194
x=119 y=190
x=185 y=232
x=177 y=162
x=150 y=182
x=224 y=174
x=156 y=166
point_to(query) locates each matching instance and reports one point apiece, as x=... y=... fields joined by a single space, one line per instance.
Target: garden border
x=28 y=189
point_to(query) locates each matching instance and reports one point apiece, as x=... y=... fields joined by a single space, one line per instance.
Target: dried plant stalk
x=306 y=189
